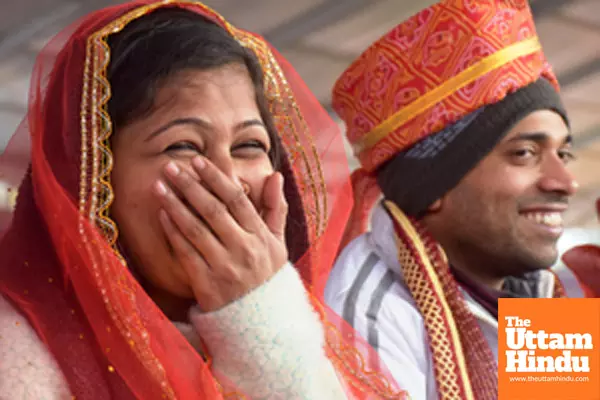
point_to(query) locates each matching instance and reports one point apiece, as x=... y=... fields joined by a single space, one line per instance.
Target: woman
x=166 y=147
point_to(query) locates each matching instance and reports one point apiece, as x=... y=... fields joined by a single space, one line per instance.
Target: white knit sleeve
x=27 y=369
x=269 y=343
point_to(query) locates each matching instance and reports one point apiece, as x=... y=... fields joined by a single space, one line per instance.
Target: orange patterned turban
x=432 y=70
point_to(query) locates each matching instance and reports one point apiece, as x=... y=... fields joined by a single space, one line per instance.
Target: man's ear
x=435 y=206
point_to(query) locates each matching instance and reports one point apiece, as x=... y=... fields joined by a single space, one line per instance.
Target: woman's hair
x=155 y=47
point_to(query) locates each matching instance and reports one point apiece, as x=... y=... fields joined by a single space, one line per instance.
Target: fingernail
x=238 y=182
x=173 y=169
x=199 y=162
x=160 y=188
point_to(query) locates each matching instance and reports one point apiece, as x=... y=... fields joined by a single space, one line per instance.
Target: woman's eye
x=181 y=146
x=251 y=145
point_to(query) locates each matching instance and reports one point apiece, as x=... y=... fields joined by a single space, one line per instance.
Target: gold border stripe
x=453 y=84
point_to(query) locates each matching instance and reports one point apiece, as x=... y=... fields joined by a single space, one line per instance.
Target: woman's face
x=210 y=112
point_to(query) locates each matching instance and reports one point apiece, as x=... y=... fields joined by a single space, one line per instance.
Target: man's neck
x=486 y=297
x=479 y=277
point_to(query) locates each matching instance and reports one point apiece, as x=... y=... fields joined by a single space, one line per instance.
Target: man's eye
x=523 y=153
x=567 y=156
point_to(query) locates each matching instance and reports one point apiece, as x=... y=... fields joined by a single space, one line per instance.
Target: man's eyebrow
x=538 y=137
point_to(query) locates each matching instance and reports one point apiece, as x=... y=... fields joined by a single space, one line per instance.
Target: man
x=455 y=114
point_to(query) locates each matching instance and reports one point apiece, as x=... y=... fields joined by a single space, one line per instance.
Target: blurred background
x=320 y=38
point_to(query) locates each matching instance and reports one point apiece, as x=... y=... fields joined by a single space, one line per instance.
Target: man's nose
x=557 y=178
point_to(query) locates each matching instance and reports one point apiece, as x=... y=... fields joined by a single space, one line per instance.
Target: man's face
x=506 y=215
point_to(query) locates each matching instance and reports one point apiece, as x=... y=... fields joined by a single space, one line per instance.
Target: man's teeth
x=553 y=219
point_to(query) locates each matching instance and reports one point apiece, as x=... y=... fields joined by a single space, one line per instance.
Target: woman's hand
x=222 y=242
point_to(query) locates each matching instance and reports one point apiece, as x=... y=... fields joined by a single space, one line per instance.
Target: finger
x=231 y=194
x=192 y=262
x=205 y=204
x=275 y=205
x=193 y=229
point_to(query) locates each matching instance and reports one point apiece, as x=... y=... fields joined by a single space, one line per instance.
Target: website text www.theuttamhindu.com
x=534 y=379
